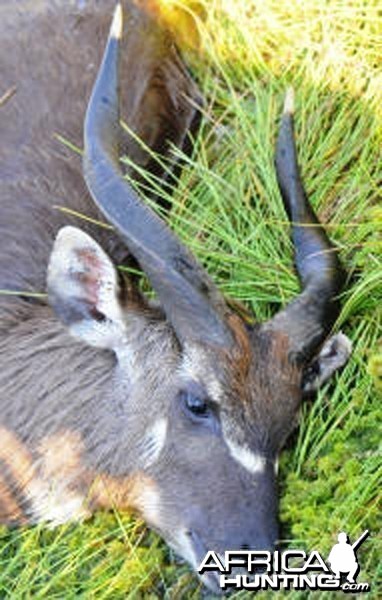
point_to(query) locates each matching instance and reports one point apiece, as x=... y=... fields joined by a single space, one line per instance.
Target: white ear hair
x=83 y=289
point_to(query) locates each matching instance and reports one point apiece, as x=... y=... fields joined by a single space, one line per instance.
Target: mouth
x=190 y=546
x=210 y=579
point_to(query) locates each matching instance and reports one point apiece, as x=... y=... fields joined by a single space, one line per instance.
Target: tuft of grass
x=227 y=209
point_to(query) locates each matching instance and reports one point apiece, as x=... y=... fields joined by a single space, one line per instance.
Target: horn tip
x=289 y=102
x=117 y=23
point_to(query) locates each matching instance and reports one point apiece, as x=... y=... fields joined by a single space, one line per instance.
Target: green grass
x=228 y=210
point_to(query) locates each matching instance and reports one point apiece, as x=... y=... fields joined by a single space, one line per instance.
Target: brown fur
x=17 y=468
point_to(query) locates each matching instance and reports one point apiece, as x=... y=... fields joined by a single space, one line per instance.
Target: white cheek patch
x=251 y=461
x=149 y=505
x=55 y=506
x=153 y=443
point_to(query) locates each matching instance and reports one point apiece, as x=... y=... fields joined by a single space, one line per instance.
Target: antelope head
x=205 y=401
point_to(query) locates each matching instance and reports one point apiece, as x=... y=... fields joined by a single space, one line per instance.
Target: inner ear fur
x=85 y=290
x=333 y=355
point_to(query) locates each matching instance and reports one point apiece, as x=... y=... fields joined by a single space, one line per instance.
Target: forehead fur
x=265 y=383
x=256 y=385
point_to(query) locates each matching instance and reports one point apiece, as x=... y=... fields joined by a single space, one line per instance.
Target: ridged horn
x=308 y=318
x=192 y=303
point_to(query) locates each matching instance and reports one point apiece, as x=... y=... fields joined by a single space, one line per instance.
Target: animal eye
x=198 y=406
x=194 y=404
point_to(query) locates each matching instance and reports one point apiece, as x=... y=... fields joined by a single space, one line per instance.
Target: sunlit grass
x=228 y=210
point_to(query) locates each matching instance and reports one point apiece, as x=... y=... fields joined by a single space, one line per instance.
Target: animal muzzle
x=211 y=578
x=250 y=526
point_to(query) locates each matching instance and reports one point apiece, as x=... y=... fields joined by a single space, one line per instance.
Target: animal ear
x=84 y=291
x=333 y=355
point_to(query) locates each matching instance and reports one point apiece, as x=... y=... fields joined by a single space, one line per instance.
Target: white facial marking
x=153 y=442
x=276 y=466
x=254 y=463
x=149 y=502
x=182 y=546
x=55 y=506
